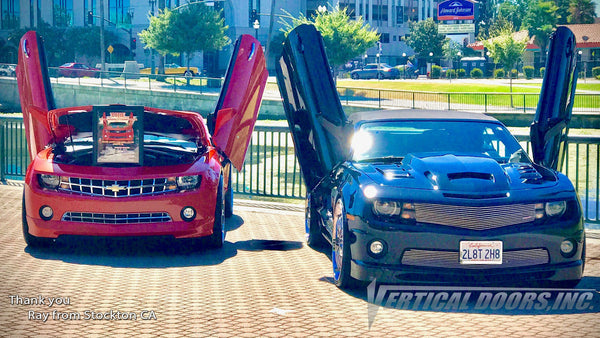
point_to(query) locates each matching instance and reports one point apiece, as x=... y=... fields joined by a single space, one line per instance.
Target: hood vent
x=528 y=174
x=394 y=174
x=479 y=176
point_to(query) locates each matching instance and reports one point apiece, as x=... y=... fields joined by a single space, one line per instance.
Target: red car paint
x=125 y=199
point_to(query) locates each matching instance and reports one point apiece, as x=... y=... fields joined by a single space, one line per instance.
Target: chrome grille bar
x=117 y=188
x=103 y=218
x=475 y=218
x=450 y=259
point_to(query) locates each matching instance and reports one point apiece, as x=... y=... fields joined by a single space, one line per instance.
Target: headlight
x=393 y=209
x=555 y=208
x=49 y=181
x=188 y=182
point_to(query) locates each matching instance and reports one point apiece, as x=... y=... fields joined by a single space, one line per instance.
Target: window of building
x=384 y=38
x=118 y=11
x=10 y=14
x=62 y=13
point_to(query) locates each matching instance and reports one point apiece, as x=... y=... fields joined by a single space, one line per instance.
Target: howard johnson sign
x=456 y=10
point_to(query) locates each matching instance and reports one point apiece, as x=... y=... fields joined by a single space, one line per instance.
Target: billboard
x=456 y=10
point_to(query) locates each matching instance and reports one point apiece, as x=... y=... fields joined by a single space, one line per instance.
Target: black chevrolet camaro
x=415 y=196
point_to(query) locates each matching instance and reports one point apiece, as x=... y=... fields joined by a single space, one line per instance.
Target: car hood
x=463 y=176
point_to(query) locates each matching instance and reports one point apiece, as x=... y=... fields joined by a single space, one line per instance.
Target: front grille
x=135 y=218
x=117 y=188
x=450 y=259
x=475 y=218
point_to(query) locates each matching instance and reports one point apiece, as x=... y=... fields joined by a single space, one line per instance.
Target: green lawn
x=456 y=86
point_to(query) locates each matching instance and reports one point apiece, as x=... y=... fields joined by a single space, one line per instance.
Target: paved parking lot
x=264 y=282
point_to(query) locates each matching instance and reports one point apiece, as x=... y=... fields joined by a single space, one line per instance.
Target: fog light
x=567 y=248
x=188 y=214
x=46 y=213
x=377 y=248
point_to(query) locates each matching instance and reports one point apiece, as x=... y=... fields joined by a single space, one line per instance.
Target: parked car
x=7 y=70
x=120 y=170
x=372 y=71
x=174 y=69
x=434 y=196
x=74 y=69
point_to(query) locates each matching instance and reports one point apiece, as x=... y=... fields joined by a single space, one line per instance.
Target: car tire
x=216 y=239
x=31 y=240
x=314 y=236
x=229 y=196
x=188 y=73
x=340 y=250
x=354 y=76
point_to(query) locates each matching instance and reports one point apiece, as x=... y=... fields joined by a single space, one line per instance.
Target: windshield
x=393 y=140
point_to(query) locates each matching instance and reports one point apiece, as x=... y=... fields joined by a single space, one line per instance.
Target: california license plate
x=481 y=252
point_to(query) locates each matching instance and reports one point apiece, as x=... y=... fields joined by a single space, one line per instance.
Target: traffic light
x=253 y=16
x=90 y=18
x=132 y=44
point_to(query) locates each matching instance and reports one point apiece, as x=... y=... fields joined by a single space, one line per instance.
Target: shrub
x=596 y=72
x=528 y=70
x=499 y=73
x=451 y=74
x=462 y=73
x=542 y=72
x=476 y=73
x=514 y=73
x=436 y=72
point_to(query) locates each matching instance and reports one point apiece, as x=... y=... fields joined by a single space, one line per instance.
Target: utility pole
x=102 y=49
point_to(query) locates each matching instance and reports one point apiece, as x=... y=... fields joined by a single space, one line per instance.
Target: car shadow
x=152 y=252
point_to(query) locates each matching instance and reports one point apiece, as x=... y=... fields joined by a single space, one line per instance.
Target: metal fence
x=272 y=170
x=479 y=102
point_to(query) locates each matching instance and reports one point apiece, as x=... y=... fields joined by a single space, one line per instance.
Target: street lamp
x=405 y=64
x=256 y=25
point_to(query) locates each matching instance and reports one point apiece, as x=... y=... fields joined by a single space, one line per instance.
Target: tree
x=506 y=50
x=513 y=12
x=196 y=27
x=485 y=18
x=344 y=39
x=200 y=28
x=562 y=11
x=540 y=21
x=424 y=39
x=582 y=11
x=452 y=51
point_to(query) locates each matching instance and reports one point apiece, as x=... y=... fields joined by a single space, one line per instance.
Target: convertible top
x=418 y=114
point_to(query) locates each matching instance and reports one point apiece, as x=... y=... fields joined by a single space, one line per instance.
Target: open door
x=239 y=102
x=35 y=92
x=312 y=106
x=551 y=123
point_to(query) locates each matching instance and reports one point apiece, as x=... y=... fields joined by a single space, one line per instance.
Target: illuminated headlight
x=391 y=209
x=188 y=182
x=49 y=181
x=555 y=208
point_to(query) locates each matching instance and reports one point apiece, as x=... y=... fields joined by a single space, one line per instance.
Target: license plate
x=481 y=252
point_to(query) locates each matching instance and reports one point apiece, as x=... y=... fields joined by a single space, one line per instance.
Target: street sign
x=110 y=49
x=456 y=28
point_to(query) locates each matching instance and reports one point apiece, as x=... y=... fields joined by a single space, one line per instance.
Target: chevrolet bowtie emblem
x=115 y=188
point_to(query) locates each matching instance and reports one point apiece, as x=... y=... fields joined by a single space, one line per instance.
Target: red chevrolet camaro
x=171 y=178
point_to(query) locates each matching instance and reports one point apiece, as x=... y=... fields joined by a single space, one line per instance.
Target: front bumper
x=107 y=213
x=426 y=254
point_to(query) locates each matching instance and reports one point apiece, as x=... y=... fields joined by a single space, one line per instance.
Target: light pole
x=405 y=64
x=256 y=26
x=378 y=66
